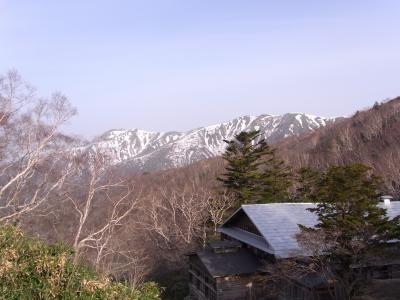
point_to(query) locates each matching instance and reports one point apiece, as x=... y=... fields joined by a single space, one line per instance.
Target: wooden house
x=255 y=235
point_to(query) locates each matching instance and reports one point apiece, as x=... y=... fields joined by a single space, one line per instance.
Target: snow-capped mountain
x=144 y=151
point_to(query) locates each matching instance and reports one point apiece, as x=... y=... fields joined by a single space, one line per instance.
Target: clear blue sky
x=175 y=65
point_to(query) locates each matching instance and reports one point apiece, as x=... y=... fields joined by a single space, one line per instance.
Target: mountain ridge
x=142 y=150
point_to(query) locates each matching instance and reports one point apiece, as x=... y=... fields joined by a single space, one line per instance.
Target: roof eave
x=232 y=215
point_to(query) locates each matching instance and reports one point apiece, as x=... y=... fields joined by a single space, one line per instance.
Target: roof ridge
x=277 y=203
x=259 y=230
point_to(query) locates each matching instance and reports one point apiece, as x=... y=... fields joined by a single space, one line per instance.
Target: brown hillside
x=371 y=137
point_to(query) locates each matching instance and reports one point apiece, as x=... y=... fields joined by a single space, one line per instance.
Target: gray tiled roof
x=247 y=237
x=278 y=223
x=222 y=264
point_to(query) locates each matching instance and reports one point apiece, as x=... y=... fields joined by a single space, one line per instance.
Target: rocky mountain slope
x=148 y=151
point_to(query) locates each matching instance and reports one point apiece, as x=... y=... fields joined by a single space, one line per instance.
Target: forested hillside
x=371 y=137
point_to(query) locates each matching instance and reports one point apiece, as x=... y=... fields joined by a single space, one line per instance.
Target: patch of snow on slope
x=158 y=150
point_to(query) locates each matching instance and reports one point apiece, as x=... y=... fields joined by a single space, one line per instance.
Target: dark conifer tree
x=306 y=184
x=348 y=198
x=275 y=180
x=353 y=226
x=253 y=173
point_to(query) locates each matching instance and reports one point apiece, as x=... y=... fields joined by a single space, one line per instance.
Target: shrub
x=32 y=269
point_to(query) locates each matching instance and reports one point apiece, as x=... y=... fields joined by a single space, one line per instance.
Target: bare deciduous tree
x=175 y=219
x=218 y=206
x=91 y=186
x=307 y=264
x=32 y=151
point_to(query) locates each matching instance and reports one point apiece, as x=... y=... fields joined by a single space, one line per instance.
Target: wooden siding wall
x=295 y=292
x=239 y=288
x=201 y=285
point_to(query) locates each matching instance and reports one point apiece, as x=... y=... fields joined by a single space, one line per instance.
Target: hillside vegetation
x=371 y=137
x=32 y=269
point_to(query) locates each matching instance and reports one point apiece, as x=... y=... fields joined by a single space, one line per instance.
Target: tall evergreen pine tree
x=253 y=173
x=351 y=222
